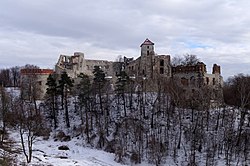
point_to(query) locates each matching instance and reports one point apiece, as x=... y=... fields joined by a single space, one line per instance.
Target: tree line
x=10 y=77
x=127 y=119
x=132 y=122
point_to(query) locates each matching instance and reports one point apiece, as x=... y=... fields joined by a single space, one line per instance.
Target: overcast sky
x=37 y=32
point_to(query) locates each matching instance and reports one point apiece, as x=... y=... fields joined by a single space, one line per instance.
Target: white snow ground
x=46 y=153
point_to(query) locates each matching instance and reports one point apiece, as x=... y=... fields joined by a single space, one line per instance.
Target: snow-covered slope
x=46 y=153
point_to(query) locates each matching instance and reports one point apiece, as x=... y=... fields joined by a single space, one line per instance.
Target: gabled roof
x=147 y=42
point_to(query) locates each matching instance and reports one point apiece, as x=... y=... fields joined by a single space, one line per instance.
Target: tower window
x=147 y=47
x=147 y=52
x=213 y=81
x=39 y=82
x=161 y=62
x=207 y=80
x=161 y=70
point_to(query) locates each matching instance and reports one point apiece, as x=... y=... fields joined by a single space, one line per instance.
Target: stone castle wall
x=76 y=64
x=148 y=66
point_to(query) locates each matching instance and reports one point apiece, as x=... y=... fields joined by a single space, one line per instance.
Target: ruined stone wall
x=214 y=80
x=198 y=68
x=76 y=64
x=148 y=66
x=162 y=66
x=198 y=75
x=216 y=69
x=73 y=65
x=193 y=78
x=143 y=68
x=106 y=66
x=132 y=68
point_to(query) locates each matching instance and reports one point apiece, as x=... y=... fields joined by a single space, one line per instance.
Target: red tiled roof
x=147 y=42
x=36 y=71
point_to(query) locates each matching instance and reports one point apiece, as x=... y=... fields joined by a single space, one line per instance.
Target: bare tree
x=186 y=60
x=30 y=88
x=239 y=87
x=5 y=77
x=29 y=123
x=4 y=108
x=15 y=72
x=176 y=61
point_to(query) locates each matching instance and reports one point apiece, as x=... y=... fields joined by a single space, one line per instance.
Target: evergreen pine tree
x=65 y=85
x=121 y=83
x=84 y=90
x=51 y=92
x=99 y=82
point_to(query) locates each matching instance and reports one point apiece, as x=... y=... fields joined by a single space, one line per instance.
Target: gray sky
x=37 y=32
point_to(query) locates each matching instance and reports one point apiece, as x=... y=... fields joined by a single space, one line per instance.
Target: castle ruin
x=148 y=65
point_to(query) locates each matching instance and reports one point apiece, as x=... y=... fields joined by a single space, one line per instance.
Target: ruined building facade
x=147 y=69
x=148 y=66
x=76 y=64
x=197 y=76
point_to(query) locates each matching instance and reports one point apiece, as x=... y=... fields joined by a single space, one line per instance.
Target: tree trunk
x=66 y=111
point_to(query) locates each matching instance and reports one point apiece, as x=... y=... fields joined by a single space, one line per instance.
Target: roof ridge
x=147 y=42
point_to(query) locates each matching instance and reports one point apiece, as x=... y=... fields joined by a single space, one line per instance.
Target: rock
x=63 y=147
x=66 y=138
x=61 y=136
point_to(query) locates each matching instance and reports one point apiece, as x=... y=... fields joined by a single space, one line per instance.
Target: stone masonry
x=148 y=65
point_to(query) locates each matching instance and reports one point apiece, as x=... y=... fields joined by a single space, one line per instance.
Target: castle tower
x=147 y=48
x=146 y=59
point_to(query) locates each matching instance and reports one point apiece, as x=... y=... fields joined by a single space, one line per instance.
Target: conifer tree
x=65 y=85
x=98 y=85
x=51 y=92
x=121 y=83
x=99 y=82
x=84 y=90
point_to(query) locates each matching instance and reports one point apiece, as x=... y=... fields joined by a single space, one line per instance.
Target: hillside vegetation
x=163 y=127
